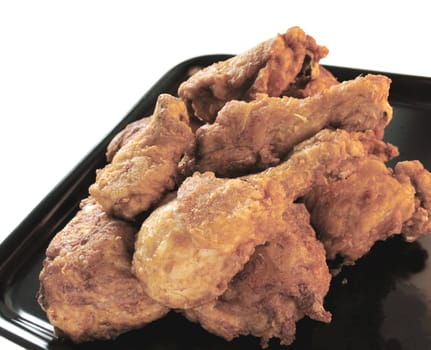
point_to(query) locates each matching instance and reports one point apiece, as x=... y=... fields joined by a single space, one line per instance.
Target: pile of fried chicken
x=262 y=169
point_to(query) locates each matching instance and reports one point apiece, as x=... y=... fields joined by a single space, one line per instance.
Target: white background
x=70 y=70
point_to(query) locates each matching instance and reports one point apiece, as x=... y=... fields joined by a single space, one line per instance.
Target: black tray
x=386 y=303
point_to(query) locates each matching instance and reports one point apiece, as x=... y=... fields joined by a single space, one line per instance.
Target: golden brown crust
x=321 y=80
x=420 y=178
x=353 y=213
x=284 y=280
x=146 y=166
x=250 y=136
x=291 y=63
x=271 y=68
x=235 y=254
x=188 y=250
x=86 y=285
x=125 y=136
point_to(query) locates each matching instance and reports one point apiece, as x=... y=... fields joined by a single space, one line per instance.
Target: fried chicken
x=146 y=166
x=250 y=136
x=353 y=213
x=285 y=279
x=318 y=83
x=189 y=249
x=263 y=168
x=86 y=285
x=284 y=63
x=125 y=136
x=420 y=178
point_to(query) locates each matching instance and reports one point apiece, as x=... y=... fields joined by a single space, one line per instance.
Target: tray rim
x=19 y=240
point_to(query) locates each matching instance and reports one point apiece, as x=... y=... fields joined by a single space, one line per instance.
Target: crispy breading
x=321 y=80
x=125 y=136
x=223 y=176
x=285 y=279
x=146 y=166
x=353 y=213
x=420 y=178
x=87 y=288
x=188 y=250
x=284 y=63
x=250 y=136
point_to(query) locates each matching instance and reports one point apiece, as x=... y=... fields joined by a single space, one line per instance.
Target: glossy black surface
x=384 y=302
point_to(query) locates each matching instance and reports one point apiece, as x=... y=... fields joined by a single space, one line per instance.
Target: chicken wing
x=146 y=166
x=86 y=285
x=188 y=250
x=285 y=279
x=285 y=63
x=250 y=136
